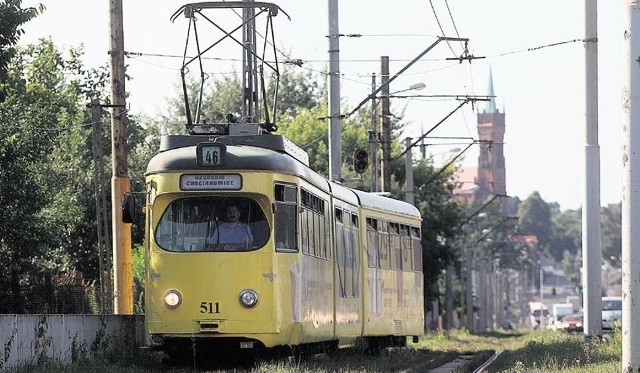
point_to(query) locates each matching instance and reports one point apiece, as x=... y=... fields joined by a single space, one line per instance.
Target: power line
x=451 y=16
x=48 y=129
x=435 y=14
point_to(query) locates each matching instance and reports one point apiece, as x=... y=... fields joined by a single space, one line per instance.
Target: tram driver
x=232 y=233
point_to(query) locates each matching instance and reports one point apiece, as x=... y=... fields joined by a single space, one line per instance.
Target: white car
x=559 y=310
x=611 y=312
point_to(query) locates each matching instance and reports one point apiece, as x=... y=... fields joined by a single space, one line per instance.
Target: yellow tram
x=319 y=265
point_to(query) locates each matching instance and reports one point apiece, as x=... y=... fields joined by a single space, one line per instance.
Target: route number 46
x=211 y=155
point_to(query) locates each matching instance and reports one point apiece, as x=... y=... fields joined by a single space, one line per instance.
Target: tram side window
x=324 y=230
x=286 y=207
x=355 y=239
x=304 y=228
x=406 y=249
x=417 y=249
x=355 y=258
x=318 y=240
x=347 y=257
x=314 y=223
x=383 y=245
x=324 y=235
x=340 y=249
x=394 y=242
x=372 y=243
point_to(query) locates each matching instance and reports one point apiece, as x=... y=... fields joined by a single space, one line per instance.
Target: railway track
x=399 y=360
x=476 y=363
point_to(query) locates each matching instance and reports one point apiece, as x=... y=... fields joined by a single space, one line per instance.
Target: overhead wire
x=435 y=14
x=49 y=129
x=453 y=22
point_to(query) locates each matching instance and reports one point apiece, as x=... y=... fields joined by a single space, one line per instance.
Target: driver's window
x=212 y=224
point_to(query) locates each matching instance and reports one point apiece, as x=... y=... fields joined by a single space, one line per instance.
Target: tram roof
x=376 y=201
x=178 y=153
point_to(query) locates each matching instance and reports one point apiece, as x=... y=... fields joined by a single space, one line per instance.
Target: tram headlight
x=248 y=297
x=172 y=298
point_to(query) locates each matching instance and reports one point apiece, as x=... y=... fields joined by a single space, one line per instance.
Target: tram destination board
x=210 y=155
x=210 y=182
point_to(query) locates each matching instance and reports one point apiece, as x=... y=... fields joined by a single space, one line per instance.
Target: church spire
x=491 y=104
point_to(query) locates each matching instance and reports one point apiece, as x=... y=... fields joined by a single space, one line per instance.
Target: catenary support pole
x=120 y=183
x=385 y=132
x=373 y=137
x=469 y=286
x=335 y=141
x=631 y=190
x=408 y=165
x=591 y=246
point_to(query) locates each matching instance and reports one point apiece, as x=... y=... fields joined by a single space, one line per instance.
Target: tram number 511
x=210 y=307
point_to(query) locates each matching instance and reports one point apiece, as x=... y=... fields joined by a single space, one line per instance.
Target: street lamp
x=413 y=87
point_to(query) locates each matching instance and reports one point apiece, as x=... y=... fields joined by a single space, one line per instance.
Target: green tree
x=571 y=265
x=298 y=91
x=34 y=105
x=48 y=172
x=12 y=17
x=534 y=217
x=566 y=233
x=611 y=233
x=442 y=219
x=223 y=96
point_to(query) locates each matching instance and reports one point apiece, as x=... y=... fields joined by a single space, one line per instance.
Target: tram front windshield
x=212 y=224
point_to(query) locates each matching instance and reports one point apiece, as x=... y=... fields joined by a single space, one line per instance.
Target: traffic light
x=360 y=160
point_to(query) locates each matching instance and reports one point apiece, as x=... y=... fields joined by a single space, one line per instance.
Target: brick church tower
x=491 y=173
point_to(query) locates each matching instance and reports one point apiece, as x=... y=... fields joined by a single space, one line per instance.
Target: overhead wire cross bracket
x=465 y=55
x=465 y=99
x=387 y=82
x=434 y=177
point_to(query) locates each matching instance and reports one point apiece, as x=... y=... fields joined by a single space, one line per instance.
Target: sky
x=532 y=50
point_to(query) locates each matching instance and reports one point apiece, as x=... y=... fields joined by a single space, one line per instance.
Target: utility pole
x=102 y=227
x=335 y=139
x=591 y=242
x=385 y=133
x=630 y=187
x=120 y=183
x=468 y=257
x=542 y=318
x=448 y=282
x=408 y=165
x=373 y=137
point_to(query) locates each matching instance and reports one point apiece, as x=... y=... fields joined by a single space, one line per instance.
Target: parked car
x=611 y=312
x=572 y=322
x=558 y=311
x=506 y=324
x=536 y=310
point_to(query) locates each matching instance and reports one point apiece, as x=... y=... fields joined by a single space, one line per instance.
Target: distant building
x=489 y=177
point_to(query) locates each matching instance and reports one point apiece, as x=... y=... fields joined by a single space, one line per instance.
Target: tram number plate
x=209 y=307
x=210 y=155
x=246 y=344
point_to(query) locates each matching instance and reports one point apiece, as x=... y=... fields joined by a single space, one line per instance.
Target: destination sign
x=211 y=182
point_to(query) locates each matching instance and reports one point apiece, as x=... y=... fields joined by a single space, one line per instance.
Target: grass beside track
x=524 y=351
x=537 y=351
